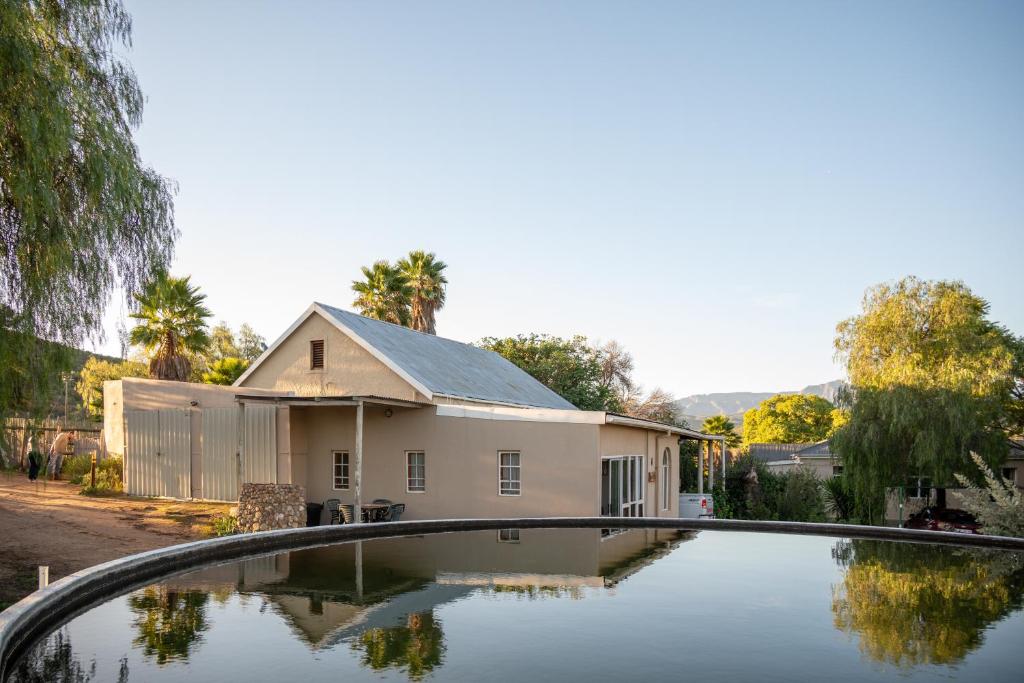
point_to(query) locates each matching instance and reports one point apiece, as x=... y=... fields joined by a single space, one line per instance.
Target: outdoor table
x=373 y=512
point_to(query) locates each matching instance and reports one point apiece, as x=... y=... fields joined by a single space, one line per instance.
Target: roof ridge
x=401 y=327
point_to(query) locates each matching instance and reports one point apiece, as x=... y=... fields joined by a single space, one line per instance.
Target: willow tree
x=930 y=379
x=79 y=212
x=172 y=326
x=424 y=274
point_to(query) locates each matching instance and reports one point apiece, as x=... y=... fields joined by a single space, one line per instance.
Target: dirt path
x=49 y=523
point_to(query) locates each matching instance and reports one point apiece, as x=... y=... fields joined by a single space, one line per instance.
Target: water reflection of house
x=332 y=593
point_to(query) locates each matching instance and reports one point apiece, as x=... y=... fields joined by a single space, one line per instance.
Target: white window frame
x=408 y=474
x=346 y=474
x=630 y=506
x=508 y=535
x=666 y=475
x=519 y=472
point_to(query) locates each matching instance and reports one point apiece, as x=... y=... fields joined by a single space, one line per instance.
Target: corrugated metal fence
x=159 y=454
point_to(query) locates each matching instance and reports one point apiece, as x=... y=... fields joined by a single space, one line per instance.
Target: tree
x=80 y=214
x=930 y=381
x=569 y=367
x=617 y=370
x=172 y=324
x=225 y=371
x=788 y=418
x=659 y=405
x=97 y=371
x=222 y=343
x=721 y=425
x=912 y=604
x=169 y=622
x=424 y=274
x=384 y=294
x=250 y=345
x=417 y=647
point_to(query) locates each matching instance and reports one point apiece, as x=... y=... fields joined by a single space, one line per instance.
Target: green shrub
x=838 y=499
x=225 y=525
x=109 y=478
x=76 y=467
x=794 y=496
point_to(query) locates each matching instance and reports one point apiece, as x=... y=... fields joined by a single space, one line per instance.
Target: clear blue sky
x=712 y=184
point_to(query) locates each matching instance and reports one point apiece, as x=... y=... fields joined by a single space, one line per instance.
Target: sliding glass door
x=622 y=486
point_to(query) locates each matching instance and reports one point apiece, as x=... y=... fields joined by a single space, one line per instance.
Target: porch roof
x=326 y=401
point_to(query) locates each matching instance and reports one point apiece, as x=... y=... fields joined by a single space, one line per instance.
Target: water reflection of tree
x=417 y=647
x=914 y=604
x=169 y=622
x=53 y=661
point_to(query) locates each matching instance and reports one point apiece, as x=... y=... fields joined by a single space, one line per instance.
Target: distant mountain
x=699 y=406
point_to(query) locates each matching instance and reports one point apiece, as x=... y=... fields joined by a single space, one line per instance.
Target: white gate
x=220 y=448
x=158 y=459
x=260 y=444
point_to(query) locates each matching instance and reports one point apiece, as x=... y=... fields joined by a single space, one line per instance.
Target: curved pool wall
x=44 y=610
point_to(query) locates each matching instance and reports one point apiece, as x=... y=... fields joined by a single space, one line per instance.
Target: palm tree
x=425 y=275
x=721 y=425
x=384 y=294
x=172 y=326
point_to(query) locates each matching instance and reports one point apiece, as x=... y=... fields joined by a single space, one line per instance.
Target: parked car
x=944 y=519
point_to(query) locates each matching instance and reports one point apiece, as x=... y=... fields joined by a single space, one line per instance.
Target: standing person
x=63 y=446
x=35 y=460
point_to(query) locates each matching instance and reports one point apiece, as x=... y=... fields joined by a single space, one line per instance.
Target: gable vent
x=316 y=354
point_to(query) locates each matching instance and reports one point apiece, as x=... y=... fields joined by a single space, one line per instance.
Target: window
x=623 y=482
x=509 y=482
x=919 y=487
x=416 y=471
x=340 y=470
x=666 y=476
x=508 y=535
x=837 y=470
x=316 y=354
x=1010 y=473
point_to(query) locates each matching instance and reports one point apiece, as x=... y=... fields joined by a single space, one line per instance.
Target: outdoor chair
x=332 y=505
x=348 y=513
x=394 y=513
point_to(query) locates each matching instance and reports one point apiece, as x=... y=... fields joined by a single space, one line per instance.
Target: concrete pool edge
x=26 y=621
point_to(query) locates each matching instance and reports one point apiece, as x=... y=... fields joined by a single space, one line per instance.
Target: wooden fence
x=14 y=442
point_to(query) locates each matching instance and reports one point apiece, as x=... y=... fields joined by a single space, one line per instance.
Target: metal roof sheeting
x=448 y=367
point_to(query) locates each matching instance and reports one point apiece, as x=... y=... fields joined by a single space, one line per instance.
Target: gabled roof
x=433 y=365
x=815 y=450
x=770 y=452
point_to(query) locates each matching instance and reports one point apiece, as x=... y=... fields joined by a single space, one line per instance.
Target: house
x=917 y=493
x=358 y=409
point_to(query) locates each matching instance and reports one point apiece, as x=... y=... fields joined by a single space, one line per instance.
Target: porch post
x=358 y=507
x=723 y=462
x=700 y=466
x=359 y=572
x=711 y=466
